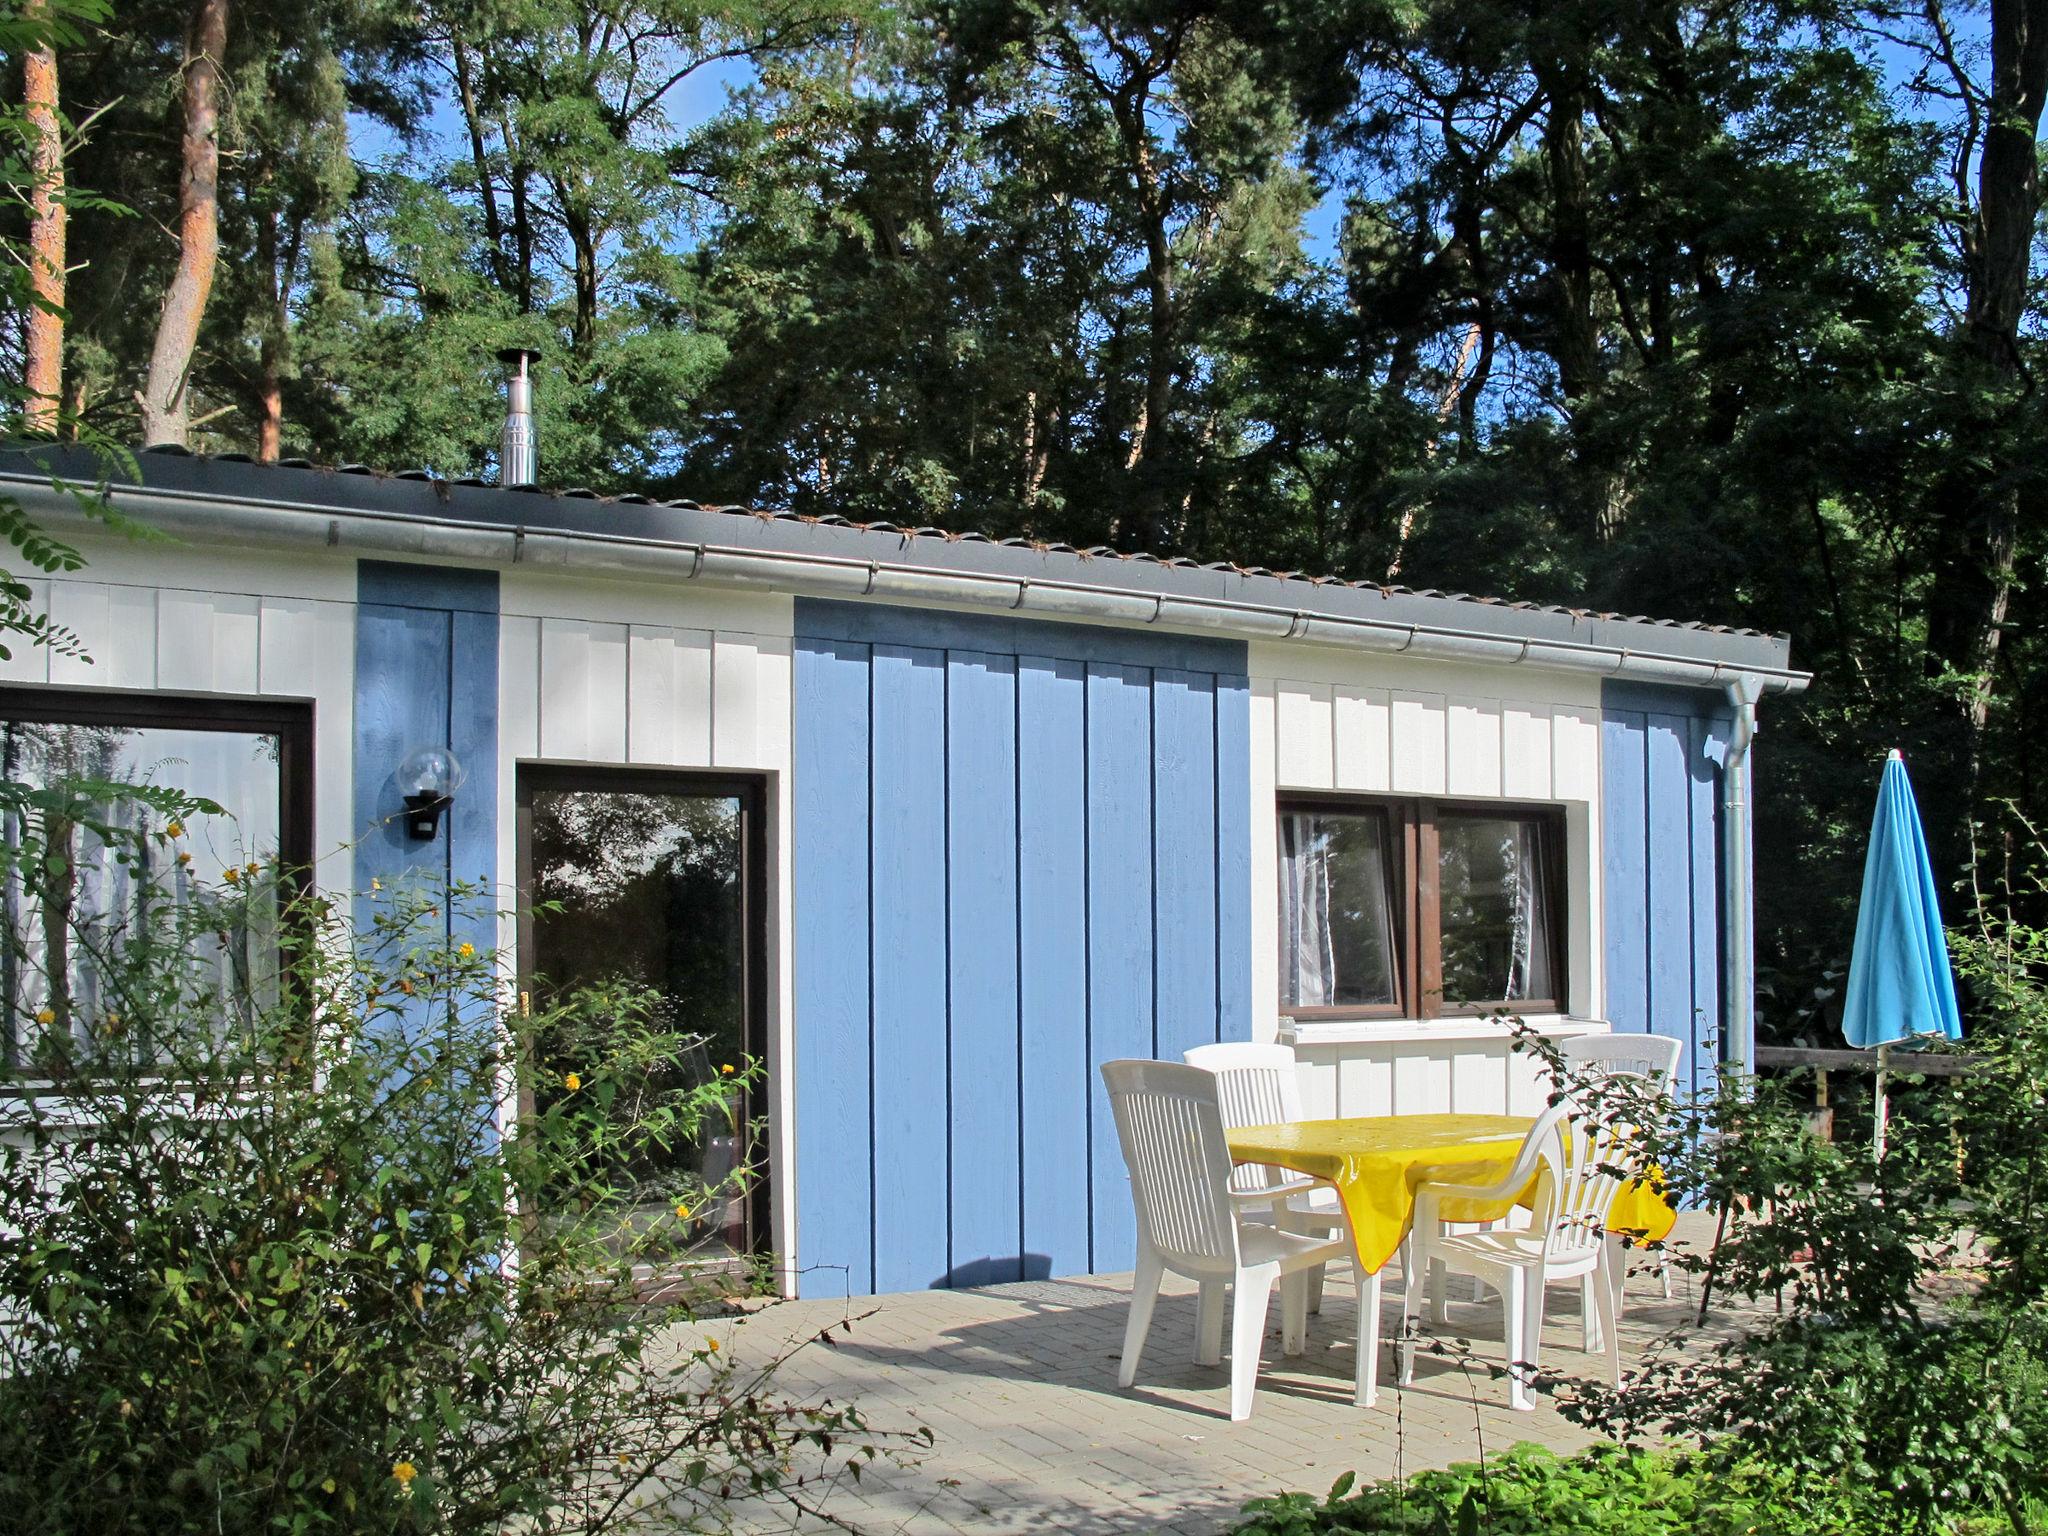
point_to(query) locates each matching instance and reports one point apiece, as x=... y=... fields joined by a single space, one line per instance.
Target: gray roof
x=298 y=486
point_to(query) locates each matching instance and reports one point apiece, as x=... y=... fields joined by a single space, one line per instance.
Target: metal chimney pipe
x=519 y=449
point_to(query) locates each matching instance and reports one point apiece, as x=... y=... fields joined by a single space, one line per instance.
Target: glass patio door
x=657 y=879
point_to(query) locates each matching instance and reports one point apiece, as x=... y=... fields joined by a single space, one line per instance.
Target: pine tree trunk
x=271 y=348
x=43 y=370
x=165 y=398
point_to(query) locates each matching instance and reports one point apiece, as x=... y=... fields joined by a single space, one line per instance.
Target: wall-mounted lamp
x=428 y=779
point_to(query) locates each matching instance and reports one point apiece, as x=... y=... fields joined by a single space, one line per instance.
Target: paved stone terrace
x=1018 y=1385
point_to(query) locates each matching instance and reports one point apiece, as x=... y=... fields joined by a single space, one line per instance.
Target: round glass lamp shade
x=432 y=772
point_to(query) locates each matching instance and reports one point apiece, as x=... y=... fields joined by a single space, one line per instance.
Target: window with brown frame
x=1419 y=908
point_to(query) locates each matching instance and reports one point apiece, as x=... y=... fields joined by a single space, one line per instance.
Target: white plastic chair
x=1258 y=1085
x=1566 y=1240
x=1651 y=1059
x=1169 y=1119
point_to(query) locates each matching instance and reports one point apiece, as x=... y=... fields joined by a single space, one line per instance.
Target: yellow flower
x=376 y=884
x=726 y=1068
x=232 y=875
x=712 y=1345
x=466 y=950
x=682 y=1211
x=184 y=858
x=572 y=1082
x=405 y=1472
x=175 y=827
x=254 y=869
x=46 y=1015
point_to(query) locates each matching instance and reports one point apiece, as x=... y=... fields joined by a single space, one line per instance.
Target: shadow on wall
x=995 y=1271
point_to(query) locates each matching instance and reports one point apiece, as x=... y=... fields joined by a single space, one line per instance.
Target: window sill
x=1556 y=1026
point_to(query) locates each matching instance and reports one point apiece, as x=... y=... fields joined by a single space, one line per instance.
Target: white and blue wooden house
x=936 y=825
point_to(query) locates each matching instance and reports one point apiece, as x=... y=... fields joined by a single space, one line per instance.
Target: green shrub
x=1606 y=1491
x=1895 y=1350
x=291 y=1268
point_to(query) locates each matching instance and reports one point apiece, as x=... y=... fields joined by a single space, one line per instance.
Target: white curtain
x=1307 y=948
x=1524 y=855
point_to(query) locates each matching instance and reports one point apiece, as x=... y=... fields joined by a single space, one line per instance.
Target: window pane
x=649 y=888
x=69 y=920
x=1497 y=923
x=1336 y=911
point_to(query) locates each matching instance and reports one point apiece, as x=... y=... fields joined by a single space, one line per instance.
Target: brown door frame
x=751 y=790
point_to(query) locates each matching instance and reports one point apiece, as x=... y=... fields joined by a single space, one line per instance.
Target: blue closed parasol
x=1900 y=985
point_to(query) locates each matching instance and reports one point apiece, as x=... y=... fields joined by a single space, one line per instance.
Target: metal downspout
x=1739 y=965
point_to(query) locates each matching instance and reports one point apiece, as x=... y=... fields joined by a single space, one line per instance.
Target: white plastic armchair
x=1259 y=1085
x=1653 y=1060
x=1578 y=1171
x=1169 y=1119
x=1652 y=1057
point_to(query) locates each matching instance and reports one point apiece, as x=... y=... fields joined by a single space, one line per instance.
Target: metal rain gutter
x=303 y=524
x=1738 y=1046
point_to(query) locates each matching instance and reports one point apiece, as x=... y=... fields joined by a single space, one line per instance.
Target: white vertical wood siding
x=577 y=691
x=1325 y=721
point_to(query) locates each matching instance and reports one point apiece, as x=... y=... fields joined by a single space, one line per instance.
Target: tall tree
x=43 y=372
x=165 y=398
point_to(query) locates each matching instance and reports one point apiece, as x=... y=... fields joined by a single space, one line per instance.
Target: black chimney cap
x=519 y=354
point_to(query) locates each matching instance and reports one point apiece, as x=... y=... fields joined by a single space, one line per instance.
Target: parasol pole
x=1884 y=1061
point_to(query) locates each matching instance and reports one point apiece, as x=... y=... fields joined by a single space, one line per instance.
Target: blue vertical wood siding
x=1052 y=920
x=907 y=801
x=426 y=676
x=1661 y=756
x=983 y=1006
x=1021 y=849
x=834 y=1189
x=1184 y=974
x=1122 y=855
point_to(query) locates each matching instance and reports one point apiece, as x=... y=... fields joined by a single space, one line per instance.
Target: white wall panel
x=1418 y=742
x=582 y=691
x=750 y=700
x=206 y=642
x=1466 y=1067
x=1525 y=771
x=1364 y=738
x=1575 y=754
x=1265 y=863
x=668 y=696
x=1472 y=747
x=83 y=608
x=518 y=688
x=29 y=663
x=130 y=658
x=1305 y=743
x=306 y=650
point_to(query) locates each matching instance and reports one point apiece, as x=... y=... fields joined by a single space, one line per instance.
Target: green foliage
x=1898 y=1345
x=297 y=1270
x=1605 y=1491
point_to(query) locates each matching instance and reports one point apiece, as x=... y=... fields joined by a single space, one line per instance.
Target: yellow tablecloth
x=1378 y=1161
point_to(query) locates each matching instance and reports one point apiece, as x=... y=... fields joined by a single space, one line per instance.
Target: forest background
x=1727 y=311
